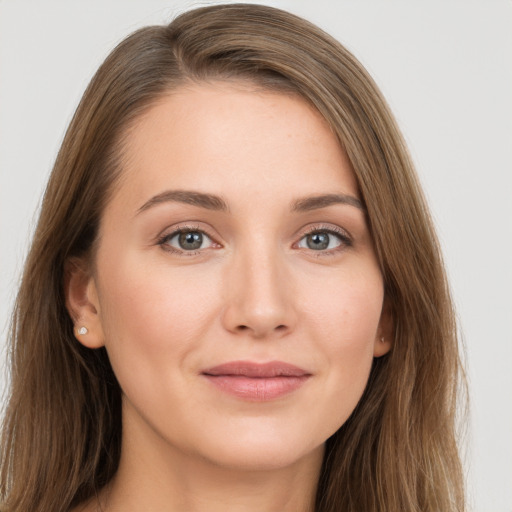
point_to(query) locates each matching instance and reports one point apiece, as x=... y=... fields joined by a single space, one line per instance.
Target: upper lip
x=256 y=370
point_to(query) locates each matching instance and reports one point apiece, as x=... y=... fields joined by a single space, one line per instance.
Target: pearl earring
x=82 y=330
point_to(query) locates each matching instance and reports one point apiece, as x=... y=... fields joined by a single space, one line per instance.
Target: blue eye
x=323 y=240
x=187 y=240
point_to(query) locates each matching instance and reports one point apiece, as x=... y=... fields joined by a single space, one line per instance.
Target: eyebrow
x=216 y=203
x=208 y=201
x=316 y=202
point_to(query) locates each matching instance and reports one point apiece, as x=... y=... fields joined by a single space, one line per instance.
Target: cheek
x=344 y=321
x=347 y=308
x=152 y=314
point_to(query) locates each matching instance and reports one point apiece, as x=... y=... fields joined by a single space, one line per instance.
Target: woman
x=234 y=297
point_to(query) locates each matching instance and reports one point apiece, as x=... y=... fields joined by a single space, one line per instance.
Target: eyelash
x=163 y=240
x=345 y=240
x=342 y=235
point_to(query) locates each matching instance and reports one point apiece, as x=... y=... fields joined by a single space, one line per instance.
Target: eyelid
x=332 y=228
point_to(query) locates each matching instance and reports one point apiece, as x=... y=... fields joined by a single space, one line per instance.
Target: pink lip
x=255 y=381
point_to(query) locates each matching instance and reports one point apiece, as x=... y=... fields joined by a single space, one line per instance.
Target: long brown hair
x=62 y=428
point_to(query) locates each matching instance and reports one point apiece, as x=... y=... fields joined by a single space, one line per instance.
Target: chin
x=256 y=451
x=264 y=458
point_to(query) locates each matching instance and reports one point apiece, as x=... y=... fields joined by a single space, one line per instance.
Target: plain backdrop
x=445 y=68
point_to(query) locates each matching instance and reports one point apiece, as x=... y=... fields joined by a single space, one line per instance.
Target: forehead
x=232 y=139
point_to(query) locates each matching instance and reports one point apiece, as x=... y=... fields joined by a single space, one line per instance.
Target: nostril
x=279 y=328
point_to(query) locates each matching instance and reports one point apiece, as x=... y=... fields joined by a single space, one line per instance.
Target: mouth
x=257 y=382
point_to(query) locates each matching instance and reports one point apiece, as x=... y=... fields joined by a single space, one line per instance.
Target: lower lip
x=259 y=389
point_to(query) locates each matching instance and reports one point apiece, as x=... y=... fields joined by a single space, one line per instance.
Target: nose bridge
x=259 y=298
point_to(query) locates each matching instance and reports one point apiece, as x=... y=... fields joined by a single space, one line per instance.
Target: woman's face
x=235 y=285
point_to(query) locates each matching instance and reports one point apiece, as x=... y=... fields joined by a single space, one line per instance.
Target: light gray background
x=445 y=68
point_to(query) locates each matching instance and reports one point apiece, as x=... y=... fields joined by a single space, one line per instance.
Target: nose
x=259 y=297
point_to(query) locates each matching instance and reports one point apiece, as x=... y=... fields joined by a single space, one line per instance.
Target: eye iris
x=318 y=241
x=190 y=240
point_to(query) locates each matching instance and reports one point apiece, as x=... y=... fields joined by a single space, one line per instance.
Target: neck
x=154 y=475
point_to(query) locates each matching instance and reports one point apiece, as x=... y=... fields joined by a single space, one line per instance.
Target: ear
x=385 y=332
x=82 y=303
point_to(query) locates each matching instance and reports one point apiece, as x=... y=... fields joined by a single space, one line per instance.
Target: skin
x=254 y=291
